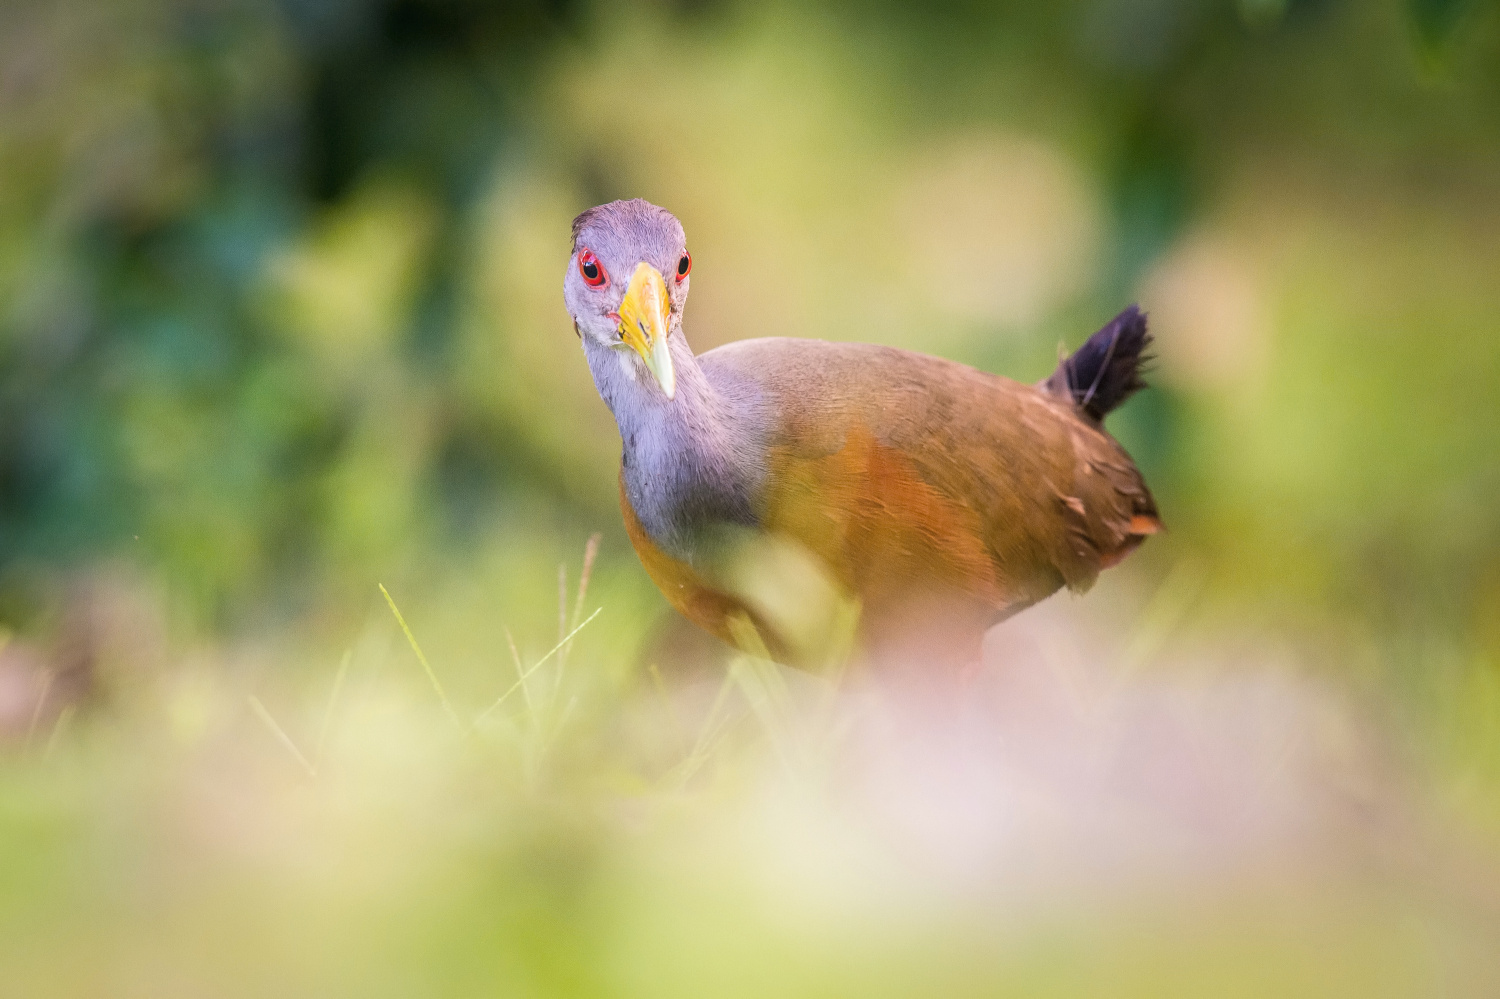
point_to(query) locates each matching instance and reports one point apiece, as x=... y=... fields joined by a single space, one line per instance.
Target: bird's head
x=627 y=282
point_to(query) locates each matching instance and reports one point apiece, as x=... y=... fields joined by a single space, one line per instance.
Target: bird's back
x=904 y=473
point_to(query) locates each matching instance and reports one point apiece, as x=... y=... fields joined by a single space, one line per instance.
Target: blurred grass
x=602 y=837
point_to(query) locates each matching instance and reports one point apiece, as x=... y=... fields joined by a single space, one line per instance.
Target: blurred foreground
x=1123 y=813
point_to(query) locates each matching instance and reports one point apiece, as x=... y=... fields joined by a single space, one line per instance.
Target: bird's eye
x=591 y=269
x=684 y=265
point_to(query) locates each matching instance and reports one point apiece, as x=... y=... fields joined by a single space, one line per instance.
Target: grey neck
x=688 y=464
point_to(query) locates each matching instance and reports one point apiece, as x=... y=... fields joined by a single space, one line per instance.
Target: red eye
x=684 y=265
x=591 y=269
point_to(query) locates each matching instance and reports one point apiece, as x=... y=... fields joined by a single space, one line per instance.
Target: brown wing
x=904 y=472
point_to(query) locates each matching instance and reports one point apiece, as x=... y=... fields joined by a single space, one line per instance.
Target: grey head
x=625 y=287
x=689 y=446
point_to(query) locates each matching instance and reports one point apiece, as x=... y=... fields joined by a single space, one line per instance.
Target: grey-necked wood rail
x=941 y=498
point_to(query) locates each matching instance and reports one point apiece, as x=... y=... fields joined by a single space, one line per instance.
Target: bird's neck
x=686 y=463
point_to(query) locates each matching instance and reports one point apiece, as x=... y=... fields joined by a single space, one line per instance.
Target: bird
x=935 y=499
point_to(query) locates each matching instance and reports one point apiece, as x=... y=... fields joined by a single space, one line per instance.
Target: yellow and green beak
x=643 y=324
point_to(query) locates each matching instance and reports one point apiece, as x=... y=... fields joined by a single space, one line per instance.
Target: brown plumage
x=940 y=497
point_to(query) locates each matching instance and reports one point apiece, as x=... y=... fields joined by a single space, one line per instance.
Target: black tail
x=1106 y=370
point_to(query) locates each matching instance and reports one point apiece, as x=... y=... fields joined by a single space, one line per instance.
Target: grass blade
x=412 y=640
x=515 y=657
x=333 y=696
x=536 y=666
x=590 y=552
x=36 y=711
x=280 y=734
x=708 y=735
x=666 y=699
x=63 y=717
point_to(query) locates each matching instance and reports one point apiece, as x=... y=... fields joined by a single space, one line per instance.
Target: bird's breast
x=691 y=588
x=882 y=529
x=682 y=494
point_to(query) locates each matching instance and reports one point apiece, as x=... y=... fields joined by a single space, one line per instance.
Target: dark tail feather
x=1106 y=370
